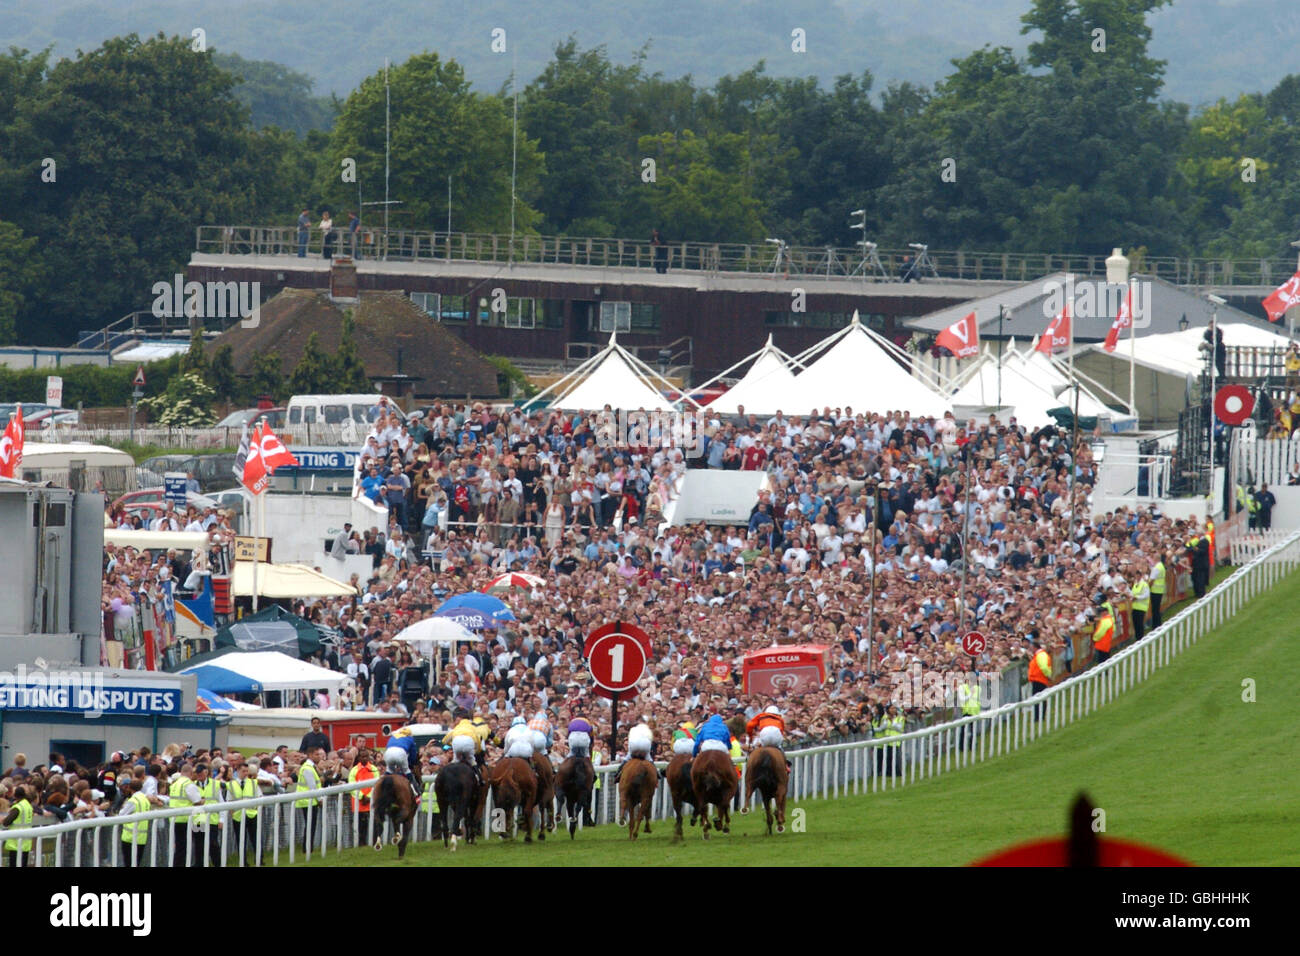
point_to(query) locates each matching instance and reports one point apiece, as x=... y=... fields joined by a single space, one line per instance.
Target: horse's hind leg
x=726 y=817
x=645 y=811
x=780 y=809
x=704 y=820
x=677 y=830
x=767 y=807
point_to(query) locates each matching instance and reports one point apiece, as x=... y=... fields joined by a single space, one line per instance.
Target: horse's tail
x=385 y=797
x=762 y=773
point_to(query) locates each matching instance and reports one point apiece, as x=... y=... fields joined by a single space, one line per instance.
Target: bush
x=94 y=386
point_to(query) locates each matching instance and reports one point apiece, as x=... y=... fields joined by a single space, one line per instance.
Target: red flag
x=272 y=450
x=255 y=478
x=1283 y=297
x=11 y=446
x=1057 y=335
x=1122 y=322
x=962 y=338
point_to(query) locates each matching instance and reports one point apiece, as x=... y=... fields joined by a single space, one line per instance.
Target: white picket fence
x=827 y=772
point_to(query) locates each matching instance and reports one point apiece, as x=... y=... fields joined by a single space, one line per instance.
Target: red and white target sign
x=1233 y=404
x=616 y=660
x=973 y=643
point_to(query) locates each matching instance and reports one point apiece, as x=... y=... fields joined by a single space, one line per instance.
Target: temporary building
x=613 y=377
x=1025 y=392
x=253 y=672
x=856 y=368
x=272 y=628
x=1164 y=366
x=771 y=371
x=786 y=669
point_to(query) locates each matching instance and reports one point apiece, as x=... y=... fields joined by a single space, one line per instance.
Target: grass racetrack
x=1180 y=762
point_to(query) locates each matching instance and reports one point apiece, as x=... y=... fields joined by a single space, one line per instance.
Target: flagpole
x=1074 y=421
x=1132 y=352
x=257 y=534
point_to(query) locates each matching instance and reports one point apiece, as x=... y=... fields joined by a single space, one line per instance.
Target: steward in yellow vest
x=246 y=788
x=1139 y=606
x=135 y=833
x=20 y=817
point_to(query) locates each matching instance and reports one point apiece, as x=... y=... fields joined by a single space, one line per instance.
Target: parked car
x=154 y=498
x=209 y=470
x=336 y=409
x=247 y=416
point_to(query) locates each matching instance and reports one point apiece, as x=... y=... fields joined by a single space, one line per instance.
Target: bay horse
x=394 y=801
x=768 y=775
x=456 y=788
x=713 y=777
x=681 y=791
x=545 y=771
x=514 y=788
x=574 y=783
x=636 y=791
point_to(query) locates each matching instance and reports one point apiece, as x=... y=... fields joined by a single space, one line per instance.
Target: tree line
x=108 y=161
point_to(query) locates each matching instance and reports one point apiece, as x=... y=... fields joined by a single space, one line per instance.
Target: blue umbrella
x=214 y=700
x=475 y=610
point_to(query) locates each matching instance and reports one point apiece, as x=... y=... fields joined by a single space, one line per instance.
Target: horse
x=768 y=775
x=514 y=787
x=680 y=789
x=713 y=777
x=573 y=784
x=456 y=788
x=545 y=771
x=636 y=790
x=394 y=801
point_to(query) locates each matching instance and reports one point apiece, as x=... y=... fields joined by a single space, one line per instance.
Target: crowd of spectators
x=852 y=497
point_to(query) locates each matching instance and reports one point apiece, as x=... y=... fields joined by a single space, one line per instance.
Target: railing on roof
x=829 y=771
x=811 y=262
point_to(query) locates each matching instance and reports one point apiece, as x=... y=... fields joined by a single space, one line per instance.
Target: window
x=520 y=314
x=645 y=317
x=552 y=313
x=453 y=308
x=334 y=414
x=616 y=316
x=295 y=415
x=428 y=301
x=808 y=320
x=309 y=414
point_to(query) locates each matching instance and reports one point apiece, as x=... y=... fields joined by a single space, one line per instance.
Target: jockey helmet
x=519 y=719
x=773 y=709
x=402 y=732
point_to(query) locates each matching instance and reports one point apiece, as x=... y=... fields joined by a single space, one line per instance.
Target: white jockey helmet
x=773 y=709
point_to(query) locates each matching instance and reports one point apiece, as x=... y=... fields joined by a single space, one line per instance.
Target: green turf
x=1180 y=762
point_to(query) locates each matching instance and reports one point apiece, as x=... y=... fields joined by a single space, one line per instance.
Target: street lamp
x=1001 y=351
x=1117 y=266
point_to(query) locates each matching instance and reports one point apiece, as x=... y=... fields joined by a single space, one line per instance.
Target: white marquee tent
x=854 y=369
x=613 y=377
x=1026 y=394
x=770 y=371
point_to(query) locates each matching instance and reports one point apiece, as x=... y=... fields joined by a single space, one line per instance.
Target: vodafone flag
x=253 y=474
x=11 y=446
x=272 y=450
x=1122 y=322
x=962 y=338
x=1283 y=297
x=1057 y=335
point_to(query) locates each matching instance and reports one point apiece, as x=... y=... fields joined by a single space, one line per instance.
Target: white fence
x=819 y=772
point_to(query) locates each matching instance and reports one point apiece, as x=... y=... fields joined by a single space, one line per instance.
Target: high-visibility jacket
x=361 y=798
x=25 y=814
x=1040 y=668
x=1242 y=501
x=246 y=789
x=430 y=798
x=969 y=697
x=308 y=779
x=176 y=792
x=133 y=830
x=890 y=727
x=211 y=795
x=1158 y=579
x=1103 y=633
x=1209 y=533
x=1141 y=596
x=738 y=757
x=596 y=760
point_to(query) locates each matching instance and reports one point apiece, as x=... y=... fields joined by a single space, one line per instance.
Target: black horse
x=573 y=785
x=456 y=787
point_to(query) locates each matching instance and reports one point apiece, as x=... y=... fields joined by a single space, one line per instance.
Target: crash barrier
x=286 y=834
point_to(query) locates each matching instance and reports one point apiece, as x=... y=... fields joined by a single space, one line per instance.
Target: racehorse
x=514 y=788
x=573 y=783
x=768 y=775
x=679 y=787
x=394 y=801
x=713 y=777
x=545 y=771
x=456 y=788
x=636 y=791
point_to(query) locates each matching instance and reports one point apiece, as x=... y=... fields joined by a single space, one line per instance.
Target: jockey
x=714 y=735
x=580 y=733
x=768 y=726
x=404 y=752
x=468 y=740
x=542 y=735
x=519 y=740
x=640 y=742
x=684 y=738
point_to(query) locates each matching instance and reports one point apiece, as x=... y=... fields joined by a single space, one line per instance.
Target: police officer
x=1040 y=671
x=246 y=788
x=1198 y=550
x=968 y=699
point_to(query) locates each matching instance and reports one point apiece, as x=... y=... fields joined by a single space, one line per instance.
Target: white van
x=335 y=409
x=79 y=466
